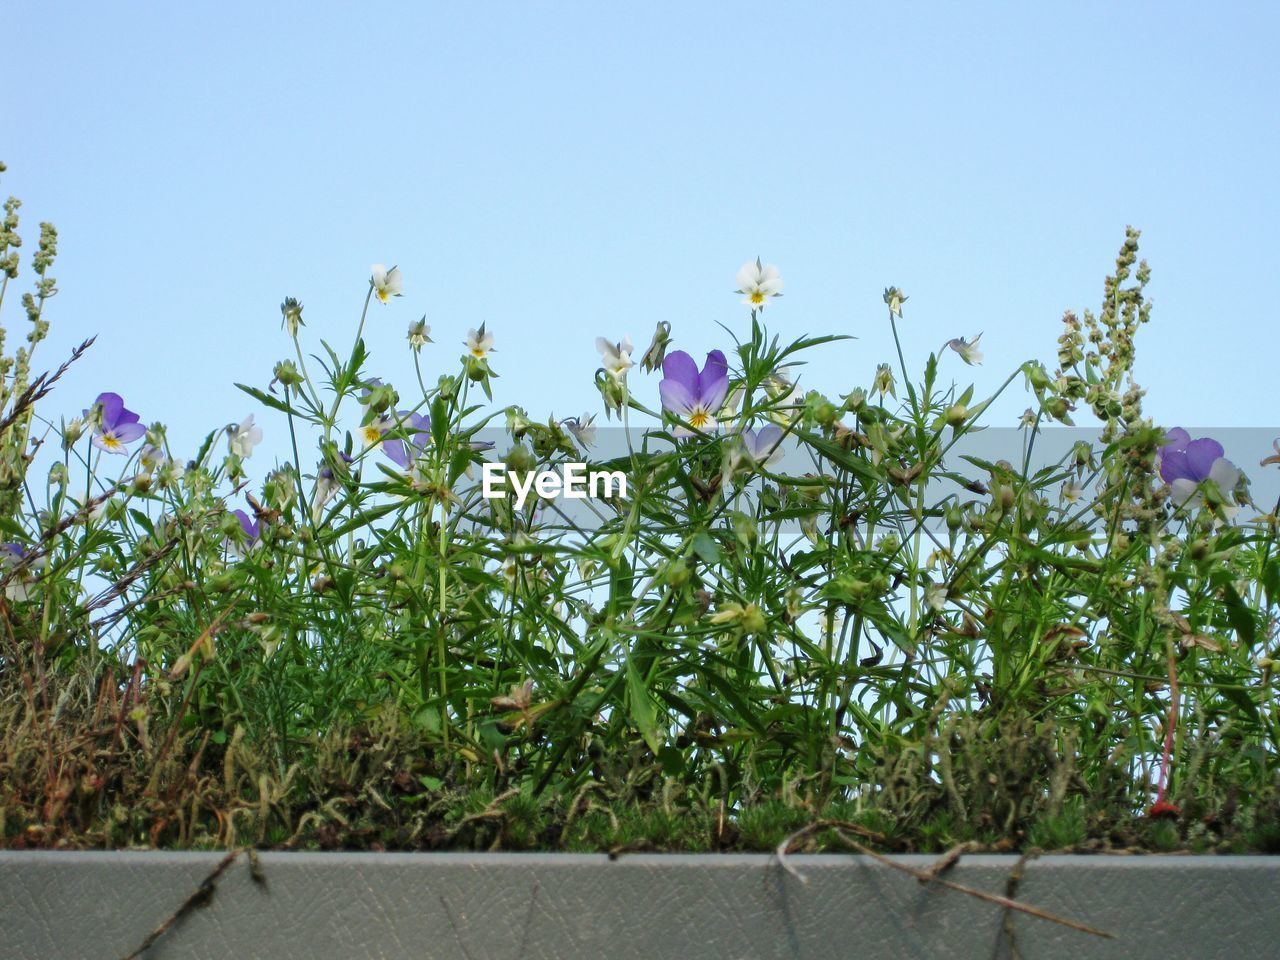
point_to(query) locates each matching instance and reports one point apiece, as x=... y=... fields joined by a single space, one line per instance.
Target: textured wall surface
x=65 y=906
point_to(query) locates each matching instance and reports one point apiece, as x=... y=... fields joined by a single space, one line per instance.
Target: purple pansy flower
x=418 y=427
x=252 y=528
x=11 y=555
x=1187 y=463
x=763 y=446
x=114 y=426
x=327 y=487
x=691 y=394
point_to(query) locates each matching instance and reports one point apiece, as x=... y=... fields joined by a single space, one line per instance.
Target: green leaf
x=705 y=547
x=142 y=520
x=439 y=422
x=643 y=712
x=672 y=761
x=1239 y=615
x=208 y=442
x=275 y=403
x=458 y=464
x=491 y=736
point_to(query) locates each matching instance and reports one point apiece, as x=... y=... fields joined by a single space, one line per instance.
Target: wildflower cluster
x=803 y=594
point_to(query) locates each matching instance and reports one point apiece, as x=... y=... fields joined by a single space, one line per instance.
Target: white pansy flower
x=243 y=438
x=419 y=334
x=371 y=433
x=1225 y=475
x=583 y=429
x=617 y=356
x=386 y=283
x=479 y=343
x=758 y=283
x=968 y=349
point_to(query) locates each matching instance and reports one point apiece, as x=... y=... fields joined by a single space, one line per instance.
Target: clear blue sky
x=562 y=171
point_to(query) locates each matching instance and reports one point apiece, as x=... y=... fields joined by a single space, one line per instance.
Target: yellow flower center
x=479 y=353
x=699 y=419
x=757 y=296
x=372 y=435
x=111 y=442
x=383 y=295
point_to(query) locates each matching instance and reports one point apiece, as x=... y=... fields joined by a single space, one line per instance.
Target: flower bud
x=518 y=422
x=884 y=382
x=856 y=401
x=657 y=351
x=1037 y=377
x=291 y=311
x=72 y=431
x=823 y=411
x=677 y=574
x=520 y=459
x=1060 y=409
x=744 y=528
x=286 y=374
x=956 y=414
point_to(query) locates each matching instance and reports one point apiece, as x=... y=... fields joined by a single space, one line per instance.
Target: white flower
x=1225 y=475
x=479 y=343
x=386 y=283
x=243 y=438
x=151 y=457
x=18 y=587
x=1072 y=491
x=731 y=405
x=617 y=356
x=790 y=407
x=935 y=597
x=371 y=433
x=758 y=283
x=582 y=428
x=327 y=487
x=419 y=334
x=95 y=512
x=967 y=349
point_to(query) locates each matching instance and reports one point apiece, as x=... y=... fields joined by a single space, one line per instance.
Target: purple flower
x=418 y=426
x=327 y=487
x=1187 y=463
x=114 y=426
x=693 y=395
x=252 y=529
x=765 y=446
x=11 y=555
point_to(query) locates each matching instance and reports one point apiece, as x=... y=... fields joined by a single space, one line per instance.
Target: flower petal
x=713 y=382
x=1201 y=455
x=129 y=432
x=1176 y=439
x=676 y=397
x=679 y=366
x=1174 y=467
x=394 y=449
x=1225 y=474
x=1185 y=491
x=112 y=406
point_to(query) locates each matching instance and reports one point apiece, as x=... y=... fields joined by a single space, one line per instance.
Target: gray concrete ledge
x=353 y=906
